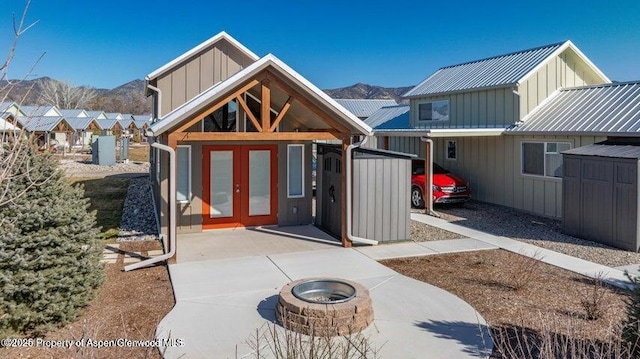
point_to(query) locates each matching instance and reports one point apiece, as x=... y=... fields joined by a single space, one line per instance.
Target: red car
x=447 y=187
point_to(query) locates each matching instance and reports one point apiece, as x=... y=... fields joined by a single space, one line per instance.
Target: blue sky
x=332 y=43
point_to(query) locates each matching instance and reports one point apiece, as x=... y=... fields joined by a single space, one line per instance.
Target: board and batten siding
x=198 y=73
x=493 y=167
x=381 y=199
x=477 y=109
x=565 y=70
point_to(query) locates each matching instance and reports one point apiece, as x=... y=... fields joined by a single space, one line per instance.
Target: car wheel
x=417 y=200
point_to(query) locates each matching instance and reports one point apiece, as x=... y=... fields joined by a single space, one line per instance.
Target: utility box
x=124 y=149
x=600 y=194
x=381 y=193
x=103 y=151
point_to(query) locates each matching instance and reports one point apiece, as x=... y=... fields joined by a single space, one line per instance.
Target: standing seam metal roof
x=40 y=123
x=610 y=108
x=495 y=71
x=364 y=107
x=396 y=117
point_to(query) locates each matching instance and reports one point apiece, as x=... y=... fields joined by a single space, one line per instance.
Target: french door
x=239 y=186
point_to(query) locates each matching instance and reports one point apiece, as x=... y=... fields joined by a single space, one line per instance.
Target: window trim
x=544 y=160
x=446 y=150
x=418 y=103
x=289 y=195
x=189 y=190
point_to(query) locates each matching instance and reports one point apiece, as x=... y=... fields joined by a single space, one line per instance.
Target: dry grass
x=549 y=299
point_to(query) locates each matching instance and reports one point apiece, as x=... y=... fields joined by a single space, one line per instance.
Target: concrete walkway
x=610 y=275
x=221 y=302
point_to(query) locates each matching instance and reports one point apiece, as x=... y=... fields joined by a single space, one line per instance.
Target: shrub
x=631 y=328
x=49 y=247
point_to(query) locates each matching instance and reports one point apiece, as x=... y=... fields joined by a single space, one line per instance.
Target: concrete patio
x=220 y=302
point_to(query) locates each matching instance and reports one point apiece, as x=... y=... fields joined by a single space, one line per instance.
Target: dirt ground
x=129 y=305
x=519 y=295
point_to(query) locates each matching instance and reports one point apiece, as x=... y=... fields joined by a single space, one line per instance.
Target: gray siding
x=565 y=70
x=286 y=215
x=477 y=109
x=195 y=75
x=492 y=165
x=381 y=208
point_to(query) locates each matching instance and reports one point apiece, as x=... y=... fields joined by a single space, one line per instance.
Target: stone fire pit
x=324 y=306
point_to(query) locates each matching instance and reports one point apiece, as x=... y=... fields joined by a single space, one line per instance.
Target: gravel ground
x=76 y=168
x=421 y=232
x=540 y=231
x=138 y=220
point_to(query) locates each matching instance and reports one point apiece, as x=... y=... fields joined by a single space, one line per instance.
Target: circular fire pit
x=324 y=307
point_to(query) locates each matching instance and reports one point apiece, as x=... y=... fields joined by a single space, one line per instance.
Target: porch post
x=428 y=182
x=173 y=143
x=346 y=141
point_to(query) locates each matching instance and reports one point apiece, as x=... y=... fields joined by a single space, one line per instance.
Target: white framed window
x=183 y=174
x=433 y=111
x=451 y=150
x=295 y=171
x=543 y=158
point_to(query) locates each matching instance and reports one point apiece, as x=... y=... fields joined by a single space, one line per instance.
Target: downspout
x=350 y=236
x=429 y=179
x=159 y=102
x=172 y=212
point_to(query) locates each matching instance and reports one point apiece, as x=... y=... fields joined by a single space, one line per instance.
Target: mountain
x=130 y=97
x=365 y=91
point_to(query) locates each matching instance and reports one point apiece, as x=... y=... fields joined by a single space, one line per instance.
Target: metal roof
x=141 y=120
x=607 y=109
x=96 y=114
x=497 y=71
x=113 y=115
x=40 y=110
x=40 y=123
x=80 y=123
x=106 y=124
x=390 y=117
x=126 y=122
x=72 y=112
x=612 y=151
x=364 y=107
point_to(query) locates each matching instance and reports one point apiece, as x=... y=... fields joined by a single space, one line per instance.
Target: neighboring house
x=12 y=108
x=40 y=111
x=98 y=115
x=110 y=127
x=142 y=123
x=477 y=115
x=83 y=130
x=129 y=126
x=48 y=130
x=67 y=113
x=7 y=124
x=114 y=115
x=242 y=127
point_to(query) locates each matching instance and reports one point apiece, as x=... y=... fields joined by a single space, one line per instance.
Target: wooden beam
x=281 y=114
x=343 y=200
x=308 y=104
x=251 y=136
x=221 y=102
x=250 y=114
x=265 y=105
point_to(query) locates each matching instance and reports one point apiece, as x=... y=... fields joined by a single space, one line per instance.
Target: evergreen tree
x=49 y=248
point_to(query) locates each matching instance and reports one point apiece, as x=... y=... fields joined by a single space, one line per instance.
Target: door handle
x=237 y=188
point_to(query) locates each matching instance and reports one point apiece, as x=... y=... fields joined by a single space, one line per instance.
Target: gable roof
x=113 y=115
x=220 y=36
x=7 y=125
x=97 y=114
x=495 y=72
x=73 y=112
x=40 y=110
x=217 y=91
x=607 y=109
x=141 y=120
x=81 y=123
x=107 y=124
x=364 y=107
x=40 y=123
x=390 y=117
x=126 y=122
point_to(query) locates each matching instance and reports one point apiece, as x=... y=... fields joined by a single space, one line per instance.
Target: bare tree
x=14 y=141
x=64 y=95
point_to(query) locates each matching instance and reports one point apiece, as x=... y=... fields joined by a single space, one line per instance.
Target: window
x=221 y=120
x=543 y=158
x=452 y=149
x=295 y=171
x=433 y=111
x=183 y=180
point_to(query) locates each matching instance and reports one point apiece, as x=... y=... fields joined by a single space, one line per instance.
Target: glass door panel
x=221 y=199
x=259 y=182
